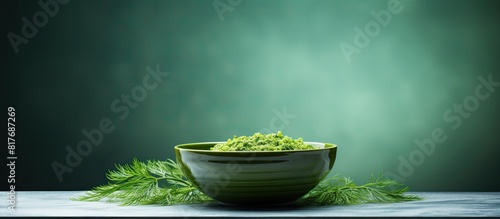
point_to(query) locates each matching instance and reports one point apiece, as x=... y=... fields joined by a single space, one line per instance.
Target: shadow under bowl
x=255 y=177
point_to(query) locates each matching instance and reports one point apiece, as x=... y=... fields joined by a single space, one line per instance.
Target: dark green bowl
x=263 y=177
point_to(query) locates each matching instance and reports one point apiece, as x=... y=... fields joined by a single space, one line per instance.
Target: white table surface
x=57 y=203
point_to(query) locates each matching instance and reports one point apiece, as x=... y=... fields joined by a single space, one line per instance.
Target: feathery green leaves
x=154 y=182
x=163 y=183
x=343 y=191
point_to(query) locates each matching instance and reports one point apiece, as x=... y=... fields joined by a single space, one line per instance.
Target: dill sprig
x=153 y=182
x=163 y=183
x=338 y=190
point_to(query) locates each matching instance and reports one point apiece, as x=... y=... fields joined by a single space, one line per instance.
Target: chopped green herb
x=263 y=142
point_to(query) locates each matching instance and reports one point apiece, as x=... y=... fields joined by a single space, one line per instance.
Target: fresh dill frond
x=338 y=190
x=153 y=182
x=164 y=183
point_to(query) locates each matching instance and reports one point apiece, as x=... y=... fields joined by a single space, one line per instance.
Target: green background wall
x=236 y=76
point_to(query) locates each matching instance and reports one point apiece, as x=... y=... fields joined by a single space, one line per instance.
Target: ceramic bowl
x=262 y=177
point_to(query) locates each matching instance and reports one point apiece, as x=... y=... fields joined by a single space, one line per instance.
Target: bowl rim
x=180 y=147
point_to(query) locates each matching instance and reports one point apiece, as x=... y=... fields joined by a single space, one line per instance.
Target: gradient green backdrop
x=230 y=77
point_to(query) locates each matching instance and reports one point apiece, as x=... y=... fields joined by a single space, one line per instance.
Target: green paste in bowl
x=263 y=142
